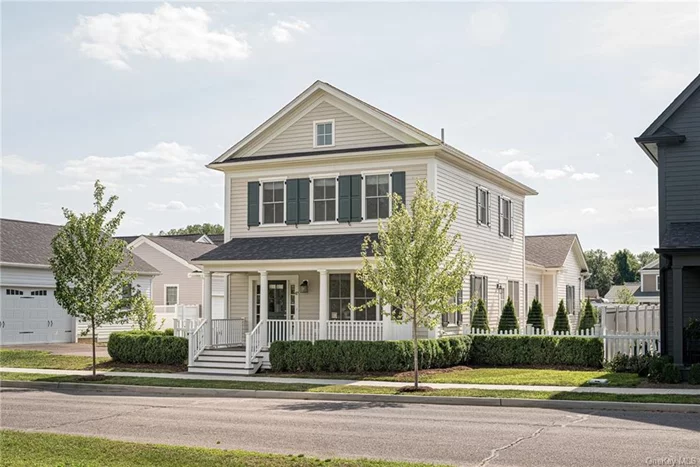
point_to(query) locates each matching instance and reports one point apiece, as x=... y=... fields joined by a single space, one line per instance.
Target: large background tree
x=205 y=228
x=91 y=268
x=626 y=267
x=416 y=266
x=602 y=270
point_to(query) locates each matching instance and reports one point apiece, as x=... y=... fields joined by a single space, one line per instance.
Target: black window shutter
x=303 y=211
x=398 y=184
x=486 y=293
x=477 y=204
x=500 y=217
x=445 y=319
x=253 y=204
x=292 y=201
x=344 y=194
x=356 y=198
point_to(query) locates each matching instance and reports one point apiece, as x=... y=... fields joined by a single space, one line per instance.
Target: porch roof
x=292 y=247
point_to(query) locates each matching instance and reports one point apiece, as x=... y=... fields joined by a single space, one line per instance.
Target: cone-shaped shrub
x=587 y=318
x=561 y=321
x=480 y=320
x=509 y=320
x=535 y=316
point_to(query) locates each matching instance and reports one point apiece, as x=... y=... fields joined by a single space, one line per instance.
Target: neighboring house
x=591 y=294
x=180 y=282
x=649 y=286
x=305 y=187
x=30 y=313
x=614 y=292
x=555 y=270
x=672 y=142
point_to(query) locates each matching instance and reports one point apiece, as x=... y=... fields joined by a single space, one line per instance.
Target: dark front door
x=276 y=300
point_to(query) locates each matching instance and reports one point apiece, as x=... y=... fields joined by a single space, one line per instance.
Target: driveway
x=83 y=350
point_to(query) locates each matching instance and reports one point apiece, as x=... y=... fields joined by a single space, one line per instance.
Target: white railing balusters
x=227 y=332
x=196 y=340
x=255 y=340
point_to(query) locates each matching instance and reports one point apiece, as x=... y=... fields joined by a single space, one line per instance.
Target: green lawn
x=342 y=389
x=15 y=358
x=39 y=449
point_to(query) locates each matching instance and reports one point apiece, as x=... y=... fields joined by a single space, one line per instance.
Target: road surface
x=457 y=435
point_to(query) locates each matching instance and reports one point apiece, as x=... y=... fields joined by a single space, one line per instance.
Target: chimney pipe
x=442 y=135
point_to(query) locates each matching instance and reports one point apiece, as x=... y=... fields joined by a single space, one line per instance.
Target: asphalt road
x=445 y=434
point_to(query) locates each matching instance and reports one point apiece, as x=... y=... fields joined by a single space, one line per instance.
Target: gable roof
x=550 y=251
x=652 y=265
x=180 y=247
x=633 y=287
x=25 y=242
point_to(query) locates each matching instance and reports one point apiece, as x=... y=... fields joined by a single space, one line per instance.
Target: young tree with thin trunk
x=91 y=267
x=416 y=266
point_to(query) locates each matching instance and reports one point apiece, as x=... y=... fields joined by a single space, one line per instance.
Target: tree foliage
x=206 y=228
x=626 y=267
x=588 y=319
x=535 y=316
x=646 y=257
x=561 y=320
x=91 y=268
x=602 y=271
x=509 y=320
x=143 y=313
x=416 y=266
x=480 y=320
x=625 y=297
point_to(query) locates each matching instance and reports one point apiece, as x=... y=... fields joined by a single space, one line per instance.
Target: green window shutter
x=303 y=210
x=398 y=184
x=344 y=192
x=253 y=204
x=292 y=201
x=355 y=198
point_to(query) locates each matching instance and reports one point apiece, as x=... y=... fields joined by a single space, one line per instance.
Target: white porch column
x=387 y=323
x=206 y=304
x=323 y=303
x=263 y=296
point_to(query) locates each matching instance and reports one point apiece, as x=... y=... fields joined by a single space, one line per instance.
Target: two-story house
x=672 y=142
x=302 y=191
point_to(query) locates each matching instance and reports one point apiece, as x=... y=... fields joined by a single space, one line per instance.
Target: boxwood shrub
x=536 y=351
x=362 y=357
x=147 y=347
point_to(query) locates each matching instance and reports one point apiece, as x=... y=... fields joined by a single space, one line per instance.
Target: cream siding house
x=301 y=193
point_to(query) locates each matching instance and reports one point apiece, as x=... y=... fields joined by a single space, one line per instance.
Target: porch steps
x=226 y=361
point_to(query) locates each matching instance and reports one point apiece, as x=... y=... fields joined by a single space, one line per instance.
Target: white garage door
x=31 y=315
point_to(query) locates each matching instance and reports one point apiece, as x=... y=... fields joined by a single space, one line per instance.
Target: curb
x=117 y=389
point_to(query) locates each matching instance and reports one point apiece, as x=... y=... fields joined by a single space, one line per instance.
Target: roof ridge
x=29 y=222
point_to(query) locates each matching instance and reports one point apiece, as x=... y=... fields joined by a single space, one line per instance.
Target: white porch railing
x=292 y=330
x=226 y=332
x=254 y=342
x=196 y=342
x=181 y=327
x=355 y=330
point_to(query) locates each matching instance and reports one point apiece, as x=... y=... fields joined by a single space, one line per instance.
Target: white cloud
x=525 y=169
x=589 y=211
x=171 y=206
x=657 y=80
x=641 y=25
x=283 y=30
x=608 y=137
x=510 y=152
x=629 y=172
x=165 y=162
x=488 y=25
x=177 y=33
x=584 y=176
x=14 y=164
x=569 y=168
x=644 y=209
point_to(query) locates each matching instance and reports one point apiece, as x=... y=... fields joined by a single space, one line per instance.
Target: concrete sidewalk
x=344 y=382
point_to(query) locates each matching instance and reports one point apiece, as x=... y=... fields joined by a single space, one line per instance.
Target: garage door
x=31 y=315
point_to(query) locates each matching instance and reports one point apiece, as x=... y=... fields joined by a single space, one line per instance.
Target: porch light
x=304 y=287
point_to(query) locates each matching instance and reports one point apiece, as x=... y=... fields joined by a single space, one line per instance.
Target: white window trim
x=312 y=213
x=319 y=122
x=352 y=300
x=488 y=206
x=363 y=195
x=261 y=182
x=165 y=294
x=500 y=223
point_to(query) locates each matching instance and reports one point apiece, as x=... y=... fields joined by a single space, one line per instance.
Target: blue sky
x=142 y=95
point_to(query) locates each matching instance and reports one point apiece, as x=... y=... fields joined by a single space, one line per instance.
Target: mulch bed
x=410 y=389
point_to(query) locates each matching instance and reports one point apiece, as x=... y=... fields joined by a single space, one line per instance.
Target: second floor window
x=273 y=202
x=171 y=294
x=323 y=134
x=377 y=196
x=482 y=206
x=506 y=218
x=324 y=199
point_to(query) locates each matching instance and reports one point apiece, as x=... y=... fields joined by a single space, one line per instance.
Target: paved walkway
x=333 y=382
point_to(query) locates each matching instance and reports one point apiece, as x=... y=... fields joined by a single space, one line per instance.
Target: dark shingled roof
x=681 y=235
x=297 y=247
x=218 y=239
x=184 y=248
x=30 y=243
x=549 y=251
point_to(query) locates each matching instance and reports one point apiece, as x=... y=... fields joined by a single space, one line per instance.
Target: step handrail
x=196 y=342
x=254 y=342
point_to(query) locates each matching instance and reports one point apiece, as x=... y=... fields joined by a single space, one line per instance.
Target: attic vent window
x=324 y=133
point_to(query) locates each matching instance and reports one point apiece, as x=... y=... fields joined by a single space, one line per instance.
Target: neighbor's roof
x=549 y=251
x=26 y=242
x=184 y=248
x=292 y=247
x=681 y=236
x=652 y=265
x=633 y=287
x=218 y=239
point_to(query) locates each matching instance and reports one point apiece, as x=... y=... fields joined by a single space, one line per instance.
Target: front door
x=276 y=300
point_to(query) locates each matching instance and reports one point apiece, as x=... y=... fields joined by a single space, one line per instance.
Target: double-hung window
x=324 y=201
x=172 y=294
x=273 y=202
x=570 y=298
x=482 y=206
x=324 y=134
x=363 y=295
x=506 y=217
x=514 y=294
x=339 y=296
x=377 y=196
x=345 y=290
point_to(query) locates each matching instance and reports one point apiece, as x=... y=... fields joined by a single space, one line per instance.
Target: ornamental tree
x=143 y=313
x=509 y=320
x=535 y=316
x=416 y=266
x=91 y=267
x=587 y=318
x=480 y=320
x=561 y=320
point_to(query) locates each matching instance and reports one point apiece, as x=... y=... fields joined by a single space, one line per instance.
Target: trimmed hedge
x=362 y=357
x=536 y=351
x=147 y=347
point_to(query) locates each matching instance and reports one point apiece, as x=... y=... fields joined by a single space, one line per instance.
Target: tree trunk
x=415 y=354
x=94 y=357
